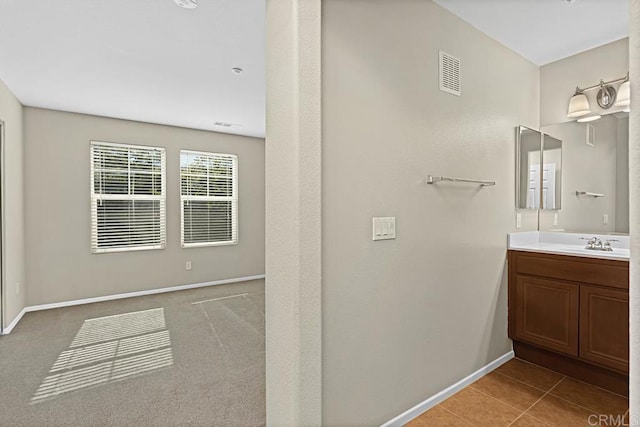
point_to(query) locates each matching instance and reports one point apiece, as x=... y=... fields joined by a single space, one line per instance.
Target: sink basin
x=568 y=244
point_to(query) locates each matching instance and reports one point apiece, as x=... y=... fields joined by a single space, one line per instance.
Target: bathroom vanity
x=569 y=306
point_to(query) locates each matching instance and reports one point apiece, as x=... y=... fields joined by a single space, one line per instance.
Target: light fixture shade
x=589 y=119
x=624 y=95
x=578 y=106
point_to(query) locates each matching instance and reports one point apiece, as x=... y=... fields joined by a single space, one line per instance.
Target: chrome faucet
x=596 y=244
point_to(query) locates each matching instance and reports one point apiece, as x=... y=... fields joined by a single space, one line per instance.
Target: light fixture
x=624 y=94
x=589 y=119
x=578 y=105
x=187 y=4
x=236 y=70
x=606 y=98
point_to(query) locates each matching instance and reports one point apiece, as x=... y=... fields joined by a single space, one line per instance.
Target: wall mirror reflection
x=551 y=175
x=528 y=150
x=595 y=193
x=539 y=170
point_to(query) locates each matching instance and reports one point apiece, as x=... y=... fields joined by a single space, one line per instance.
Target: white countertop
x=568 y=244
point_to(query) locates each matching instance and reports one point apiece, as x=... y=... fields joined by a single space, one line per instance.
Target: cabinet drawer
x=596 y=272
x=546 y=314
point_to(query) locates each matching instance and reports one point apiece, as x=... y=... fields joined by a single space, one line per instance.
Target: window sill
x=127 y=249
x=208 y=244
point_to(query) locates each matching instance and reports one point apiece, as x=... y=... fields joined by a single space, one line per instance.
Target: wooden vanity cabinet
x=571 y=314
x=546 y=313
x=604 y=327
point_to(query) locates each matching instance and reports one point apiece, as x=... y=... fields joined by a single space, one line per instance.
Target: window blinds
x=128 y=197
x=209 y=198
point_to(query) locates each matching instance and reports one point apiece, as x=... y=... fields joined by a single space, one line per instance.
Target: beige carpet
x=189 y=358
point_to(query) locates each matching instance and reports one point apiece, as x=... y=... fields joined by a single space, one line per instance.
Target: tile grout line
x=556 y=396
x=502 y=402
x=511 y=406
x=601 y=389
x=564 y=376
x=520 y=381
x=457 y=416
x=536 y=402
x=496 y=399
x=546 y=393
x=575 y=404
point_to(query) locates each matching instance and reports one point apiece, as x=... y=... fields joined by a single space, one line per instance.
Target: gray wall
x=558 y=80
x=14 y=293
x=586 y=168
x=406 y=318
x=61 y=266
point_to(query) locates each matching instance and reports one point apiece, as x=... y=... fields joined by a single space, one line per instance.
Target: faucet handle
x=592 y=243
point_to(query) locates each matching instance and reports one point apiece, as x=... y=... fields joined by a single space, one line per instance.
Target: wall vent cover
x=449 y=74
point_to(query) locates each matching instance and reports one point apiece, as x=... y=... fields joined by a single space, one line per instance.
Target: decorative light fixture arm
x=602 y=83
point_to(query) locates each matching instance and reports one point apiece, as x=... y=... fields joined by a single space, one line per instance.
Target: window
x=128 y=197
x=209 y=198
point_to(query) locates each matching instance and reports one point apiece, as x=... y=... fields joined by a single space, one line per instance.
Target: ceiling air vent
x=449 y=74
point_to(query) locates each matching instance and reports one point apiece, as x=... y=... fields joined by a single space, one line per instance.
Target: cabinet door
x=604 y=327
x=547 y=314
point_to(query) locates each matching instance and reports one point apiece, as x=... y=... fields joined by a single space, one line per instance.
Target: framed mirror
x=528 y=172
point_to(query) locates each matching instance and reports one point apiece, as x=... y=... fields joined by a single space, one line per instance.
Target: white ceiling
x=152 y=61
x=544 y=31
x=145 y=60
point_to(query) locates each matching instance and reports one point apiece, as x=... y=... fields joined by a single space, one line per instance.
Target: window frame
x=95 y=197
x=234 y=199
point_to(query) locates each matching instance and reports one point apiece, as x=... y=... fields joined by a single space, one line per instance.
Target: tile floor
x=522 y=394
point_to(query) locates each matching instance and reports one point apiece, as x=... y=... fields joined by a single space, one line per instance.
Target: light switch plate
x=555 y=218
x=518 y=220
x=605 y=219
x=384 y=228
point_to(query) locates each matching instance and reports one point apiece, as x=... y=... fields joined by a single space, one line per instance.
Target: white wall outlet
x=187 y=266
x=555 y=218
x=518 y=220
x=605 y=219
x=17 y=288
x=384 y=228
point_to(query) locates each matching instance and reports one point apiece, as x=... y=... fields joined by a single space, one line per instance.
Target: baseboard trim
x=10 y=326
x=424 y=406
x=41 y=307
